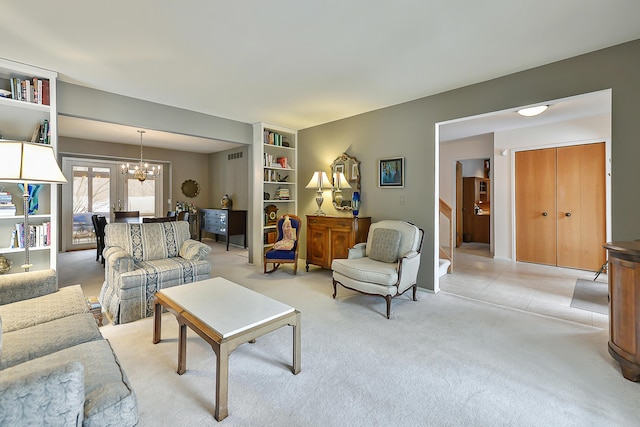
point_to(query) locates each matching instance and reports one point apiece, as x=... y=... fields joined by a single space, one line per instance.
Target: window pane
x=141 y=196
x=100 y=197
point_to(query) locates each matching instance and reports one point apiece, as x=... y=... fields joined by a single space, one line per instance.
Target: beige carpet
x=442 y=361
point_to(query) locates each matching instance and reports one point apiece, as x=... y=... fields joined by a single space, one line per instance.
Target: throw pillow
x=193 y=250
x=384 y=245
x=288 y=236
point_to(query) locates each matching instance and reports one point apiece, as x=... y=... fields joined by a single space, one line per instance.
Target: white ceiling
x=300 y=64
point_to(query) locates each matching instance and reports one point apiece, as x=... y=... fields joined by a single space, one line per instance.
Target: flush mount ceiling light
x=532 y=111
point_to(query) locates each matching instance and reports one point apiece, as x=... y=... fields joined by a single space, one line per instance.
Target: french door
x=98 y=187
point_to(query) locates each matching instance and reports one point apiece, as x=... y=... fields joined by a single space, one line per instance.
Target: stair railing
x=446 y=211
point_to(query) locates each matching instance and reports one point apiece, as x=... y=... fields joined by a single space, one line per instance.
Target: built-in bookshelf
x=276 y=187
x=28 y=112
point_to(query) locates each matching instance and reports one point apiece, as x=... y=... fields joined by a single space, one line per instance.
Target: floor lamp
x=29 y=163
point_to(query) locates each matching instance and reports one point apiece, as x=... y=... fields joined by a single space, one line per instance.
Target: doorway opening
x=497 y=136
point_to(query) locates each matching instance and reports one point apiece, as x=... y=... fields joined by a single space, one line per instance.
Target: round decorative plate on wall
x=190 y=188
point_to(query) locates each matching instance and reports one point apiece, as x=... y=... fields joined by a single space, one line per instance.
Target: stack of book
x=7 y=208
x=282 y=194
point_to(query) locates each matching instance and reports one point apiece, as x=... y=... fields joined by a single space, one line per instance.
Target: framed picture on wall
x=354 y=172
x=391 y=173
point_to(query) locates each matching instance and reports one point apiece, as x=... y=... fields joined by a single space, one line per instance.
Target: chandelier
x=142 y=170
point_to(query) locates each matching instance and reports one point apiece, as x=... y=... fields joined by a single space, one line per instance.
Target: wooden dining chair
x=125 y=216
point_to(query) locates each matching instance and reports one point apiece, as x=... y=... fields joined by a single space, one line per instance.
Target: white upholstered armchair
x=386 y=265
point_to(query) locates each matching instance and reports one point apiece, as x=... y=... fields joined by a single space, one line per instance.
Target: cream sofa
x=55 y=366
x=141 y=259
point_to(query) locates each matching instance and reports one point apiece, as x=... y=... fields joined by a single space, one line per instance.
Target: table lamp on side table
x=25 y=162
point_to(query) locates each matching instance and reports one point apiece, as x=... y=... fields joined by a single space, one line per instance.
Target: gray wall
x=79 y=101
x=409 y=130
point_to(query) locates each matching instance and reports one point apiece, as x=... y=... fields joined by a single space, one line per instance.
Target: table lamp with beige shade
x=319 y=181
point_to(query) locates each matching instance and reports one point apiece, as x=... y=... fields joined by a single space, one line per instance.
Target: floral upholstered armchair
x=386 y=265
x=141 y=259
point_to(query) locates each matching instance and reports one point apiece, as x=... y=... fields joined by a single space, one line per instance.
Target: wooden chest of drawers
x=223 y=222
x=330 y=237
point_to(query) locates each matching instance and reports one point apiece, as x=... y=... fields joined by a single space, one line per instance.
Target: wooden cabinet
x=20 y=121
x=624 y=306
x=330 y=237
x=223 y=222
x=476 y=208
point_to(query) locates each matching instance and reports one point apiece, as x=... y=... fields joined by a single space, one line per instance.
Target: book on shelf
x=42 y=133
x=274 y=138
x=284 y=162
x=39 y=235
x=5 y=197
x=7 y=209
x=13 y=243
x=35 y=136
x=34 y=90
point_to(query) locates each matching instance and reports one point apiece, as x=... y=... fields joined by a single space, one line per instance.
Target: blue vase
x=33 y=189
x=355 y=203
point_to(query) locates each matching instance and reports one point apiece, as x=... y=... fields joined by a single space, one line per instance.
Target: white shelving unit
x=273 y=176
x=18 y=120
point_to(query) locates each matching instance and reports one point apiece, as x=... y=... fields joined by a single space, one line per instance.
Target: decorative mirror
x=190 y=188
x=345 y=177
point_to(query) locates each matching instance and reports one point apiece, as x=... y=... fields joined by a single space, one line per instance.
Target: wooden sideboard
x=330 y=237
x=223 y=222
x=624 y=306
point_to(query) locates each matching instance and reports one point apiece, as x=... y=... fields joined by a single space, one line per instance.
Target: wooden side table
x=330 y=237
x=624 y=306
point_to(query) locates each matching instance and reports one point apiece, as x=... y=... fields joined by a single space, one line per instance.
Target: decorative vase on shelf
x=355 y=203
x=34 y=190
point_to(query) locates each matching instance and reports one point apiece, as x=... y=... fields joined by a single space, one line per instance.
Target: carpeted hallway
x=444 y=360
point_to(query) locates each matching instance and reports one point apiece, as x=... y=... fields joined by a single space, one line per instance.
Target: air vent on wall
x=233 y=156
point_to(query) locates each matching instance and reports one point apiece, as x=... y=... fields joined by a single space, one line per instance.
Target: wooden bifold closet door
x=560 y=206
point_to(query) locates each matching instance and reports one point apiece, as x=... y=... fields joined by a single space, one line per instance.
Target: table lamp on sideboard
x=319 y=181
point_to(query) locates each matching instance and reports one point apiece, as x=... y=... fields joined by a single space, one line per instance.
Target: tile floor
x=530 y=287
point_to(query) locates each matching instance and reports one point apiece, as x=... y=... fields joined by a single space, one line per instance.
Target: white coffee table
x=225 y=315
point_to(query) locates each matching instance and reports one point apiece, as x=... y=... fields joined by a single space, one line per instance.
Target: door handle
x=544 y=214
x=567 y=214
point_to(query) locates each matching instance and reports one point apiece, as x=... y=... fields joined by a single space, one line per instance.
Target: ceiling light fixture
x=141 y=171
x=532 y=111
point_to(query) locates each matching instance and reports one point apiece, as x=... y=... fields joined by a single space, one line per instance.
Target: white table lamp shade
x=319 y=180
x=29 y=162
x=340 y=181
